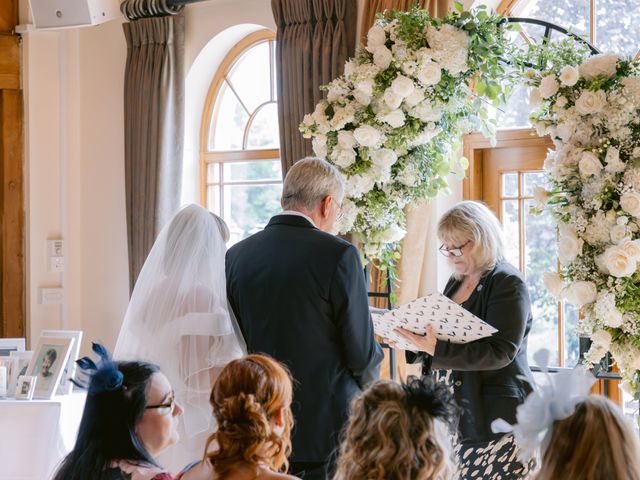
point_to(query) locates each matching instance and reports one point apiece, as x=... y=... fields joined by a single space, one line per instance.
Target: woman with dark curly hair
x=251 y=402
x=400 y=432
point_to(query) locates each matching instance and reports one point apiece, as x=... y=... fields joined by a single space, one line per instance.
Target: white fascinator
x=554 y=400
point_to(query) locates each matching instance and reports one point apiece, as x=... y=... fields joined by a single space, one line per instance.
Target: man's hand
x=424 y=343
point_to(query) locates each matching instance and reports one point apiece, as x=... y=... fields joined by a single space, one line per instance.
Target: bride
x=179 y=319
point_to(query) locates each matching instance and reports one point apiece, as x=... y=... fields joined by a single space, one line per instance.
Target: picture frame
x=8 y=345
x=47 y=364
x=19 y=366
x=26 y=387
x=66 y=386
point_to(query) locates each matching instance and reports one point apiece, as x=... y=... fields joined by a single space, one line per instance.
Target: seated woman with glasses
x=251 y=402
x=487 y=375
x=130 y=416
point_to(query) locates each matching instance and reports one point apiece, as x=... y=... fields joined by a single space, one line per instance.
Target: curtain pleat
x=436 y=8
x=312 y=45
x=154 y=130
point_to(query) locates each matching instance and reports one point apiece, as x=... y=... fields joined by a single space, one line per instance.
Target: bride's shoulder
x=198 y=471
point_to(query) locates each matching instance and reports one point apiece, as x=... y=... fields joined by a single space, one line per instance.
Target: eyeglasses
x=339 y=209
x=163 y=408
x=453 y=252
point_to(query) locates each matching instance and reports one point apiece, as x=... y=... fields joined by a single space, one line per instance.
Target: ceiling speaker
x=72 y=13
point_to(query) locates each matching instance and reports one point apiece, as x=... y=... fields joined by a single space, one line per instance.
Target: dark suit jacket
x=299 y=296
x=485 y=372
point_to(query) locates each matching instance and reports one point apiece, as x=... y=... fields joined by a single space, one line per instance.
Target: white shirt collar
x=299 y=214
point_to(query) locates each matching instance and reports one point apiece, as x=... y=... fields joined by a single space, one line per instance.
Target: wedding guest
x=299 y=295
x=251 y=401
x=400 y=432
x=130 y=416
x=487 y=375
x=178 y=318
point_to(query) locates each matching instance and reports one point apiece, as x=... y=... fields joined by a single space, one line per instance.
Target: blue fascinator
x=103 y=376
x=555 y=400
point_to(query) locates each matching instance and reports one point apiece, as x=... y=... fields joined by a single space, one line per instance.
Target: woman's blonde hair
x=474 y=221
x=596 y=443
x=245 y=398
x=395 y=432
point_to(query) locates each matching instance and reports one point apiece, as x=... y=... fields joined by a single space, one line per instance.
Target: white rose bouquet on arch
x=393 y=121
x=593 y=118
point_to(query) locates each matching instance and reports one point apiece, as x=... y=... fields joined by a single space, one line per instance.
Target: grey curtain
x=314 y=39
x=154 y=130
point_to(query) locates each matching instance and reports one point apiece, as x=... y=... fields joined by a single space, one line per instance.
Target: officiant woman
x=486 y=374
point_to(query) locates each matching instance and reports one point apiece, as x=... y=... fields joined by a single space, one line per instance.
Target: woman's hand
x=424 y=343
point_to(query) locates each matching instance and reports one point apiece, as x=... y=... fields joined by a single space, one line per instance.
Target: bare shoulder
x=201 y=471
x=276 y=476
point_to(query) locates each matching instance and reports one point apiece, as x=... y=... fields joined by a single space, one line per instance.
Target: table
x=36 y=434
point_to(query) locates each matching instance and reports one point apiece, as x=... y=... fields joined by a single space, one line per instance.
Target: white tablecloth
x=36 y=434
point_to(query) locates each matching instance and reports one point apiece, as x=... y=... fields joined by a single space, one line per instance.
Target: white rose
x=589 y=164
x=630 y=203
x=618 y=233
x=569 y=245
x=614 y=165
x=392 y=99
x=581 y=293
x=561 y=101
x=591 y=102
x=599 y=66
x=635 y=153
x=631 y=248
x=382 y=57
x=367 y=136
x=553 y=283
x=383 y=158
x=602 y=338
x=409 y=67
x=394 y=118
x=430 y=74
x=402 y=86
x=426 y=113
x=535 y=98
x=540 y=196
x=376 y=37
x=349 y=67
x=362 y=98
x=565 y=131
x=618 y=263
x=344 y=157
x=392 y=234
x=415 y=98
x=319 y=145
x=365 y=86
x=613 y=318
x=549 y=86
x=569 y=76
x=346 y=139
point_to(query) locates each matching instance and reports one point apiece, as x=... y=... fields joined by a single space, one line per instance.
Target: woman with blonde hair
x=400 y=432
x=251 y=402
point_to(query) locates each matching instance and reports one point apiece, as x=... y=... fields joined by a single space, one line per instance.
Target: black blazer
x=485 y=373
x=299 y=296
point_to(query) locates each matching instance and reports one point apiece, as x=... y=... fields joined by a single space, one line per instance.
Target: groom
x=299 y=295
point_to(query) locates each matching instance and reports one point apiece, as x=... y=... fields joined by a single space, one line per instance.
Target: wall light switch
x=56 y=264
x=51 y=296
x=55 y=248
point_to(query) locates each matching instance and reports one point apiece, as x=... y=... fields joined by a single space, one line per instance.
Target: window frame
x=208 y=120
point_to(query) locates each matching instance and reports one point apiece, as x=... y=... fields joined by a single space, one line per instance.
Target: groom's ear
x=325 y=206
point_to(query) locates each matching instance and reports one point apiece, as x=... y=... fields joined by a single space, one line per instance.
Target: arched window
x=241 y=176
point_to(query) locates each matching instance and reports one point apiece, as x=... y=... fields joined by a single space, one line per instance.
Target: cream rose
x=384 y=157
x=319 y=145
x=376 y=37
x=612 y=159
x=429 y=74
x=581 y=293
x=403 y=86
x=346 y=139
x=602 y=338
x=599 y=66
x=392 y=99
x=382 y=57
x=394 y=118
x=630 y=203
x=569 y=76
x=613 y=318
x=415 y=98
x=535 y=97
x=631 y=248
x=569 y=245
x=618 y=262
x=367 y=136
x=553 y=283
x=365 y=87
x=618 y=233
x=589 y=164
x=591 y=102
x=549 y=86
x=344 y=157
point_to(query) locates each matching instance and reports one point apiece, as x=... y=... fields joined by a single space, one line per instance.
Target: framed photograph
x=8 y=345
x=26 y=387
x=19 y=364
x=48 y=361
x=69 y=372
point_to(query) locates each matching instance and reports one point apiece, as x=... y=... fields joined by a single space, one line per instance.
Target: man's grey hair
x=309 y=181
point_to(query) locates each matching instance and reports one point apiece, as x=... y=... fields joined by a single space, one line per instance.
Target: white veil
x=178 y=316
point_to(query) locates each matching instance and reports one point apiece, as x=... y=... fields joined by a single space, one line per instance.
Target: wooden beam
x=8 y=16
x=9 y=62
x=12 y=214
